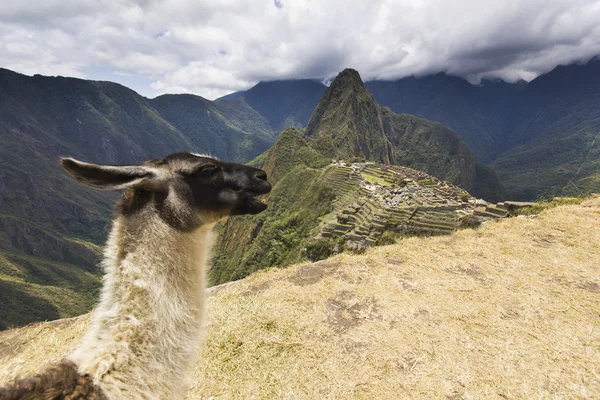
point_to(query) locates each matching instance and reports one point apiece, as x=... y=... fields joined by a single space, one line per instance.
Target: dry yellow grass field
x=508 y=311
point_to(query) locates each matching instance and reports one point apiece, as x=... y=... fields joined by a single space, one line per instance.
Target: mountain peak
x=347 y=122
x=348 y=75
x=348 y=79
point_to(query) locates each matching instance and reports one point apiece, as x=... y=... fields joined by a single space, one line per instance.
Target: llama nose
x=260 y=174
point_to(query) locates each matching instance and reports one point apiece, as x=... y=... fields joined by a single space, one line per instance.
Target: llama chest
x=148 y=323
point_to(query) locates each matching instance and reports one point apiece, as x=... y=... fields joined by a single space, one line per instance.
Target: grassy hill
x=505 y=311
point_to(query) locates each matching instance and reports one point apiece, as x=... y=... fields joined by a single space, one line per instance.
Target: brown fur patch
x=60 y=381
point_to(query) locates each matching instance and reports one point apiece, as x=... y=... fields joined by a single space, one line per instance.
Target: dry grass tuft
x=510 y=310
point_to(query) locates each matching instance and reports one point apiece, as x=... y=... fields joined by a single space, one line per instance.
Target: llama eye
x=209 y=170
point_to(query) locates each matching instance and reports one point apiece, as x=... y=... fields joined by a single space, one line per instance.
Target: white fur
x=145 y=332
x=205 y=156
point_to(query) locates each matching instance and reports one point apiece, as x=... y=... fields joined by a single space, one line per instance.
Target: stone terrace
x=373 y=199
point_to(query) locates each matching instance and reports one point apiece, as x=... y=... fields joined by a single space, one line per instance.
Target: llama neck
x=145 y=332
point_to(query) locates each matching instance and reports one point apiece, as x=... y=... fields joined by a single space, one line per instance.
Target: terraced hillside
x=379 y=202
x=376 y=199
x=317 y=210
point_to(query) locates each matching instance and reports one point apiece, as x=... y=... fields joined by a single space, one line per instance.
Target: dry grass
x=510 y=310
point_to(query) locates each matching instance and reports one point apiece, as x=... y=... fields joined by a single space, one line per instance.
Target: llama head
x=187 y=190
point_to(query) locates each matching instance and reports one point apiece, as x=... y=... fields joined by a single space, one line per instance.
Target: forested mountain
x=480 y=114
x=51 y=227
x=347 y=122
x=555 y=149
x=283 y=103
x=539 y=136
x=347 y=125
x=229 y=130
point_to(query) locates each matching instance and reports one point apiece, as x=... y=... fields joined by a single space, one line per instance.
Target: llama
x=145 y=332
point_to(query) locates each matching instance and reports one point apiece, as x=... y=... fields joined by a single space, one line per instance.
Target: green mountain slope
x=480 y=114
x=433 y=148
x=348 y=123
x=51 y=227
x=317 y=204
x=230 y=130
x=276 y=236
x=556 y=149
x=283 y=103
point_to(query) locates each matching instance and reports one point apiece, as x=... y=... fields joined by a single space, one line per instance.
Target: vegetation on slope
x=556 y=149
x=486 y=313
x=429 y=147
x=229 y=130
x=347 y=122
x=481 y=114
x=34 y=289
x=291 y=150
x=277 y=236
x=565 y=165
x=540 y=137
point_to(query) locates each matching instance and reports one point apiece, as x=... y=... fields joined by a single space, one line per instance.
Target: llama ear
x=112 y=177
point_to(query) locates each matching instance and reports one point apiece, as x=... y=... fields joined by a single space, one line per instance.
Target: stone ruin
x=373 y=199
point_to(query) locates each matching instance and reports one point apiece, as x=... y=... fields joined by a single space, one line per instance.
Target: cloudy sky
x=214 y=47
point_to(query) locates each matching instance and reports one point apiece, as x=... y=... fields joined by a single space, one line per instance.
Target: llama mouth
x=263 y=188
x=254 y=205
x=249 y=202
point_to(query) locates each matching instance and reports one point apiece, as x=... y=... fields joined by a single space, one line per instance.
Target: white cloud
x=217 y=46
